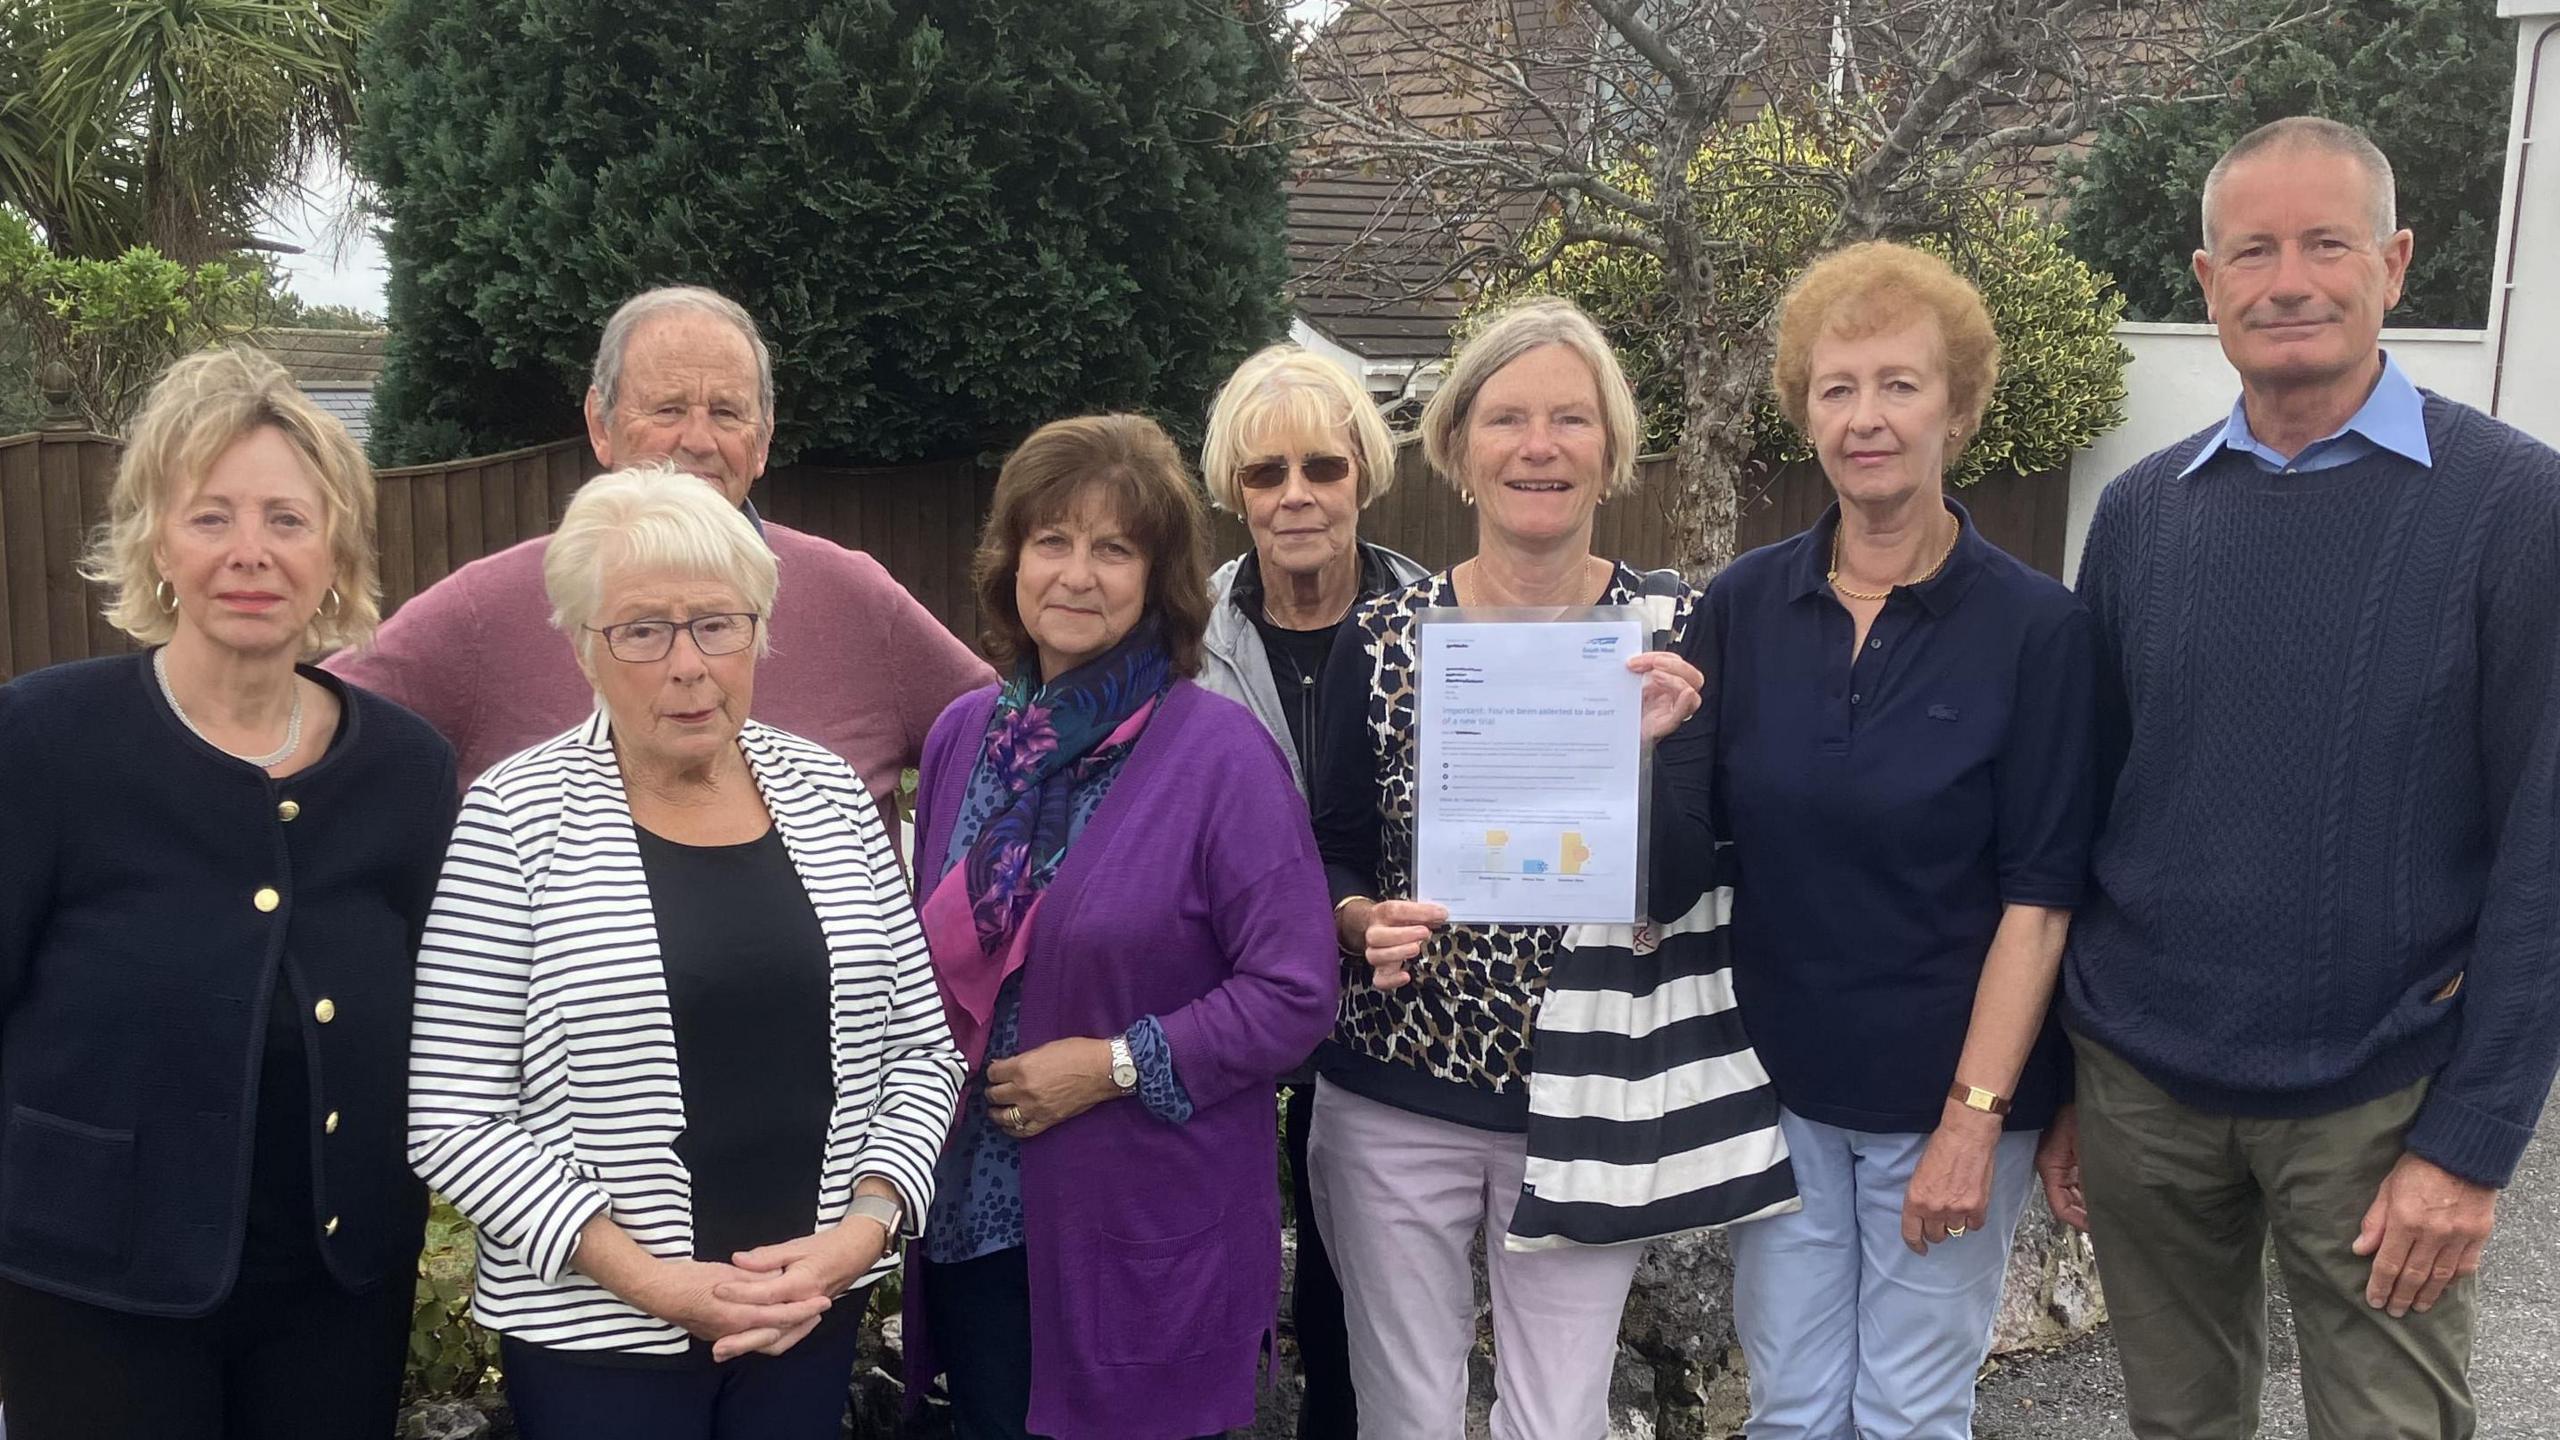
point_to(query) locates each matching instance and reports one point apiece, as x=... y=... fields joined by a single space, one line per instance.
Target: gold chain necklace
x=1955 y=529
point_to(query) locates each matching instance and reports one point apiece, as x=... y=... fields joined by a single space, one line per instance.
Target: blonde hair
x=201 y=406
x=1287 y=393
x=1547 y=320
x=1876 y=287
x=653 y=517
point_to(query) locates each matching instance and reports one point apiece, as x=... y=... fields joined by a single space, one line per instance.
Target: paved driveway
x=2073 y=1393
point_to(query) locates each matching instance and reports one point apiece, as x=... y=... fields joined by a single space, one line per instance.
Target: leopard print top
x=1466 y=1016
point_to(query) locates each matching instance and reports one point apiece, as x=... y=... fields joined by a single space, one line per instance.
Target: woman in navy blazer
x=214 y=867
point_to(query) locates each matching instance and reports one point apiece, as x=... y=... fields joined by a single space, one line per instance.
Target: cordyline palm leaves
x=67 y=188
x=170 y=123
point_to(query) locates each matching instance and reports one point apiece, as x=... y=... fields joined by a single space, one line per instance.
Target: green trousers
x=2182 y=1206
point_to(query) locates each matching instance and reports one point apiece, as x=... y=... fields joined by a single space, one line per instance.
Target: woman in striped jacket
x=677 y=1049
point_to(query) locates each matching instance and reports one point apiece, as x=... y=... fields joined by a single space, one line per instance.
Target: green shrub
x=116 y=323
x=2427 y=80
x=2061 y=368
x=955 y=219
x=450 y=1356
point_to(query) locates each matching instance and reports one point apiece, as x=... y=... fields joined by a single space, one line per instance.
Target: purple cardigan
x=1194 y=895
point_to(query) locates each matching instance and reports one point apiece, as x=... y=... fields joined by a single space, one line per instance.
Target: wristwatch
x=1974 y=1097
x=1124 y=1067
x=880 y=1208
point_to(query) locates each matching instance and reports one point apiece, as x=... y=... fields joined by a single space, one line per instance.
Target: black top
x=159 y=901
x=1886 y=803
x=1297 y=671
x=746 y=971
x=1298 y=656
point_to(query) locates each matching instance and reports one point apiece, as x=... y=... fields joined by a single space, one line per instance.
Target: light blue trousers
x=1847 y=1332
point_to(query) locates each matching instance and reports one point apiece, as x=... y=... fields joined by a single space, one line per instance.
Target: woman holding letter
x=1422 y=1092
x=1904 y=771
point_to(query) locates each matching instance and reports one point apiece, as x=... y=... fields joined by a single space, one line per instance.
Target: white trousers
x=1403 y=1200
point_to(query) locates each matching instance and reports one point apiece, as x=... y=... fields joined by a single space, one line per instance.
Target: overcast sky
x=341 y=263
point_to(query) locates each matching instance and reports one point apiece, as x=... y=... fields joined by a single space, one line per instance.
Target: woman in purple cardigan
x=1129 y=924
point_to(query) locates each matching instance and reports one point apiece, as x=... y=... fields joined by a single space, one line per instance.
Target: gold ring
x=1012 y=1117
x=1954 y=1230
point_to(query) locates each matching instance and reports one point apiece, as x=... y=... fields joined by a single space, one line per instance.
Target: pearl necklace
x=292 y=724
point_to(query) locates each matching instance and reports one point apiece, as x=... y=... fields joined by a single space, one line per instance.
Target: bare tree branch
x=1513 y=134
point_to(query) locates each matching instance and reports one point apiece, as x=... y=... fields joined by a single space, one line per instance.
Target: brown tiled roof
x=1365 y=261
x=1367 y=314
x=325 y=357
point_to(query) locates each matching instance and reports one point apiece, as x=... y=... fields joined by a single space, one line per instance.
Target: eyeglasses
x=641 y=641
x=1319 y=470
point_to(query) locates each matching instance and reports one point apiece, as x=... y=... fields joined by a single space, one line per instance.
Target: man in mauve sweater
x=2315 y=987
x=858 y=666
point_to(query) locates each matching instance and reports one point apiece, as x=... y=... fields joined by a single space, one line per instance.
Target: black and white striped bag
x=1649 y=1112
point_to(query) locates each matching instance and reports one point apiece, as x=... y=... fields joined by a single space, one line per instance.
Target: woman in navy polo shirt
x=1904 y=769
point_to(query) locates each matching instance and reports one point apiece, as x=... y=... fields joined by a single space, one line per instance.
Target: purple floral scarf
x=1050 y=756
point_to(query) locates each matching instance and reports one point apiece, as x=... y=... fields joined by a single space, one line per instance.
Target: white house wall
x=2526 y=330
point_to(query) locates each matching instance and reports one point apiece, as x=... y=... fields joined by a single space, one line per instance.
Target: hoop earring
x=332 y=603
x=166 y=595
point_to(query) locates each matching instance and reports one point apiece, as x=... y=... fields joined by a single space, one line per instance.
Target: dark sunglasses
x=1319 y=470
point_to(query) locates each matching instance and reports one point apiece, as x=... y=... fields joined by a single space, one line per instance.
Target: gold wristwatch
x=1974 y=1097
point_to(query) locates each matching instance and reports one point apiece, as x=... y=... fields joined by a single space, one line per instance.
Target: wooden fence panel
x=67 y=598
x=394 y=537
x=53 y=496
x=920 y=522
x=97 y=468
x=22 y=547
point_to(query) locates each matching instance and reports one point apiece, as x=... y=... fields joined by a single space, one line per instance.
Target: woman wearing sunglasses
x=677 y=1049
x=1296 y=449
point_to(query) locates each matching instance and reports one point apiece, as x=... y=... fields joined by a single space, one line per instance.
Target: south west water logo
x=1600 y=647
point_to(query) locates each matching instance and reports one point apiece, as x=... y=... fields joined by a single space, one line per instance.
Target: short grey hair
x=607 y=375
x=2313 y=132
x=652 y=517
x=1546 y=320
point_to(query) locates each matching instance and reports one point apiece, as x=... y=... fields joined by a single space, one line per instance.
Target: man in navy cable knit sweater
x=2315 y=988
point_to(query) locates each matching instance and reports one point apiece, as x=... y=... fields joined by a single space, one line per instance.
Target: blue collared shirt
x=1885 y=805
x=2393 y=418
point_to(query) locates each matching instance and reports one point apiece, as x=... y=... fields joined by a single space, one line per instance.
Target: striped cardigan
x=543 y=1083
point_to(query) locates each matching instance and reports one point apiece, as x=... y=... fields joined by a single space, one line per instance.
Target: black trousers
x=980 y=1311
x=299 y=1360
x=1329 y=1411
x=800 y=1394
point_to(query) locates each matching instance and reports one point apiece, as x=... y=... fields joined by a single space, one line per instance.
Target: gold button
x=288 y=809
x=331 y=1228
x=330 y=1125
x=325 y=1011
x=266 y=899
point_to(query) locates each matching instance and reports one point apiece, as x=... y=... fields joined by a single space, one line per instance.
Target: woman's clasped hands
x=766 y=1300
